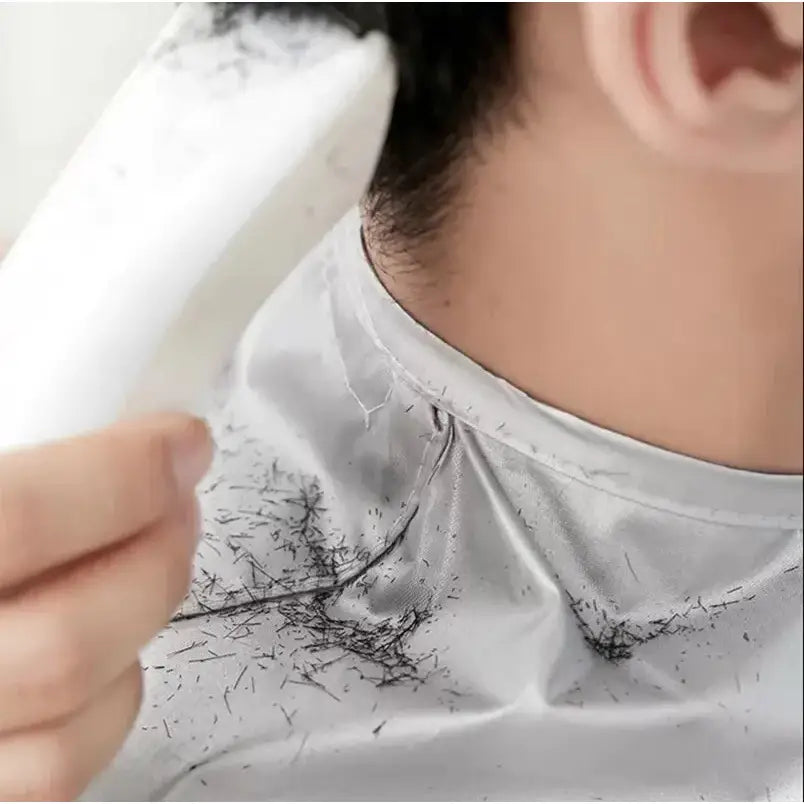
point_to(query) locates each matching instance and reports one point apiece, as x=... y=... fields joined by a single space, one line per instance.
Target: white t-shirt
x=418 y=583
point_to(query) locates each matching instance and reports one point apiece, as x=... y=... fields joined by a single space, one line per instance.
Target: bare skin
x=90 y=529
x=653 y=298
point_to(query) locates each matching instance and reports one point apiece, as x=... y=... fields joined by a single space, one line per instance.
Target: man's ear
x=719 y=84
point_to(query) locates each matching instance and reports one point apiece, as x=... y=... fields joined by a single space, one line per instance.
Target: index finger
x=64 y=500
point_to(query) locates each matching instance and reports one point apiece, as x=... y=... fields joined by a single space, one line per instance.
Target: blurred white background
x=60 y=63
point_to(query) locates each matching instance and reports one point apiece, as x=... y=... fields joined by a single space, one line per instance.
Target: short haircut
x=455 y=64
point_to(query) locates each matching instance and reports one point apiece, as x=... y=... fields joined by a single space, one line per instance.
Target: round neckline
x=566 y=444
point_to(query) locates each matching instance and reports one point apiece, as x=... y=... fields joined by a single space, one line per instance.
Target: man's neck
x=665 y=305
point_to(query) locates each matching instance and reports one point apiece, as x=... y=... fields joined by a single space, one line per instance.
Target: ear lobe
x=789 y=22
x=715 y=83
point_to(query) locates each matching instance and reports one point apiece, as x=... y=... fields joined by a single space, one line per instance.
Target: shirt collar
x=559 y=441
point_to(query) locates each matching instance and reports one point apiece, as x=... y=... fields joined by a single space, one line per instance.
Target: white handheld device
x=219 y=165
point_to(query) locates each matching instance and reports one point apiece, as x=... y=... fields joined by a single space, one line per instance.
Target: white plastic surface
x=221 y=162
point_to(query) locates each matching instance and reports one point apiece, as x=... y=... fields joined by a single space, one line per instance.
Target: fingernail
x=192 y=454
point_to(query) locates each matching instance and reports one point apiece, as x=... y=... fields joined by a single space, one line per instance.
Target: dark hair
x=455 y=63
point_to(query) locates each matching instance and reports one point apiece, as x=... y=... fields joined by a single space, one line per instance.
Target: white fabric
x=417 y=583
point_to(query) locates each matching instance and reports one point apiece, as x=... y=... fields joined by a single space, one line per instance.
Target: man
x=416 y=580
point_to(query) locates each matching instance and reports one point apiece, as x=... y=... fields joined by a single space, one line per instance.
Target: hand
x=97 y=536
